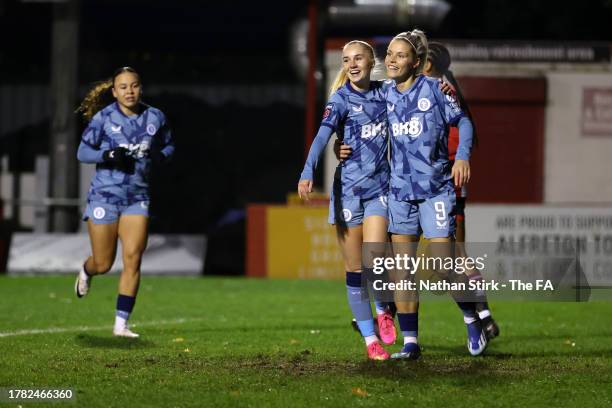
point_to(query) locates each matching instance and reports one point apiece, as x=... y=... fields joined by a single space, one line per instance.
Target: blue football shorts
x=104 y=213
x=434 y=216
x=351 y=212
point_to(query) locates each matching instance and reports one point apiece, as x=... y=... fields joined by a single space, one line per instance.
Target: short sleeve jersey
x=419 y=121
x=111 y=128
x=360 y=121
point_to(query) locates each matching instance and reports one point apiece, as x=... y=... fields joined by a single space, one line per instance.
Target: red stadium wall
x=256 y=240
x=508 y=164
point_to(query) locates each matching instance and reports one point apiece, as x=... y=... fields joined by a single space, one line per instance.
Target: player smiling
x=122 y=139
x=421 y=196
x=356 y=113
x=438 y=66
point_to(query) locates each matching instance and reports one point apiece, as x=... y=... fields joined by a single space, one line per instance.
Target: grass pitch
x=241 y=342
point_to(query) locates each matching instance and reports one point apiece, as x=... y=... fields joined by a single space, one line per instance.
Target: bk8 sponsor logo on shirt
x=372 y=130
x=412 y=128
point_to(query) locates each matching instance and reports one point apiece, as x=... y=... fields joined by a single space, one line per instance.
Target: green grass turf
x=289 y=343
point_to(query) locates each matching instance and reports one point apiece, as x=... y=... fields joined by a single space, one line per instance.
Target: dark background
x=246 y=41
x=233 y=153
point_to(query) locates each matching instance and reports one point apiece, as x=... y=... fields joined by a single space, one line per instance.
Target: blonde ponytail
x=339 y=82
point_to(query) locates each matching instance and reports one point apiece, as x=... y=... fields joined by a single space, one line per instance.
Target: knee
x=132 y=258
x=103 y=265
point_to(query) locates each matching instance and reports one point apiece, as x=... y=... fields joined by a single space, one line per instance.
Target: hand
x=304 y=188
x=461 y=173
x=342 y=151
x=118 y=155
x=119 y=159
x=447 y=88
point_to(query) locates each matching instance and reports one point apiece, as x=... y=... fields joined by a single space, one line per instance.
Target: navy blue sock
x=359 y=302
x=125 y=305
x=469 y=311
x=409 y=324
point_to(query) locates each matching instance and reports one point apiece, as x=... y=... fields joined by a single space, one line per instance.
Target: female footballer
x=122 y=139
x=421 y=190
x=438 y=66
x=356 y=112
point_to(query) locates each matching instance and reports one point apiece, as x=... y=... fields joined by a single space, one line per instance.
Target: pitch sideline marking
x=53 y=330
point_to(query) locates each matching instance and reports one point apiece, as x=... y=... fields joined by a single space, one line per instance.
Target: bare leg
x=407 y=247
x=133 y=232
x=103 y=238
x=133 y=235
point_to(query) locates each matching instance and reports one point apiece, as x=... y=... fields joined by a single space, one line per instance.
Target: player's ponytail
x=97 y=97
x=418 y=40
x=339 y=81
x=440 y=59
x=100 y=95
x=342 y=77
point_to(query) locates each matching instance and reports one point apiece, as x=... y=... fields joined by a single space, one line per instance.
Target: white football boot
x=82 y=284
x=124 y=332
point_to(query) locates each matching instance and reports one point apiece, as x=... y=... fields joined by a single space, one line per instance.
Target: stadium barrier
x=34 y=253
x=292 y=241
x=295 y=241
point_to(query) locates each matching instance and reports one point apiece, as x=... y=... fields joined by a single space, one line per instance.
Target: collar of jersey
x=118 y=109
x=353 y=90
x=407 y=91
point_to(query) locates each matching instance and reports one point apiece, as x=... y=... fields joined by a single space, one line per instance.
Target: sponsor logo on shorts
x=144 y=205
x=151 y=129
x=99 y=213
x=424 y=104
x=347 y=214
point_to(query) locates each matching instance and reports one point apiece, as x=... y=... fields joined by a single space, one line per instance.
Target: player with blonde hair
x=356 y=112
x=422 y=182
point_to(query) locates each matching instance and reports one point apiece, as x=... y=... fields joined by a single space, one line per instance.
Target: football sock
x=380 y=306
x=370 y=339
x=409 y=325
x=469 y=311
x=359 y=302
x=125 y=305
x=484 y=312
